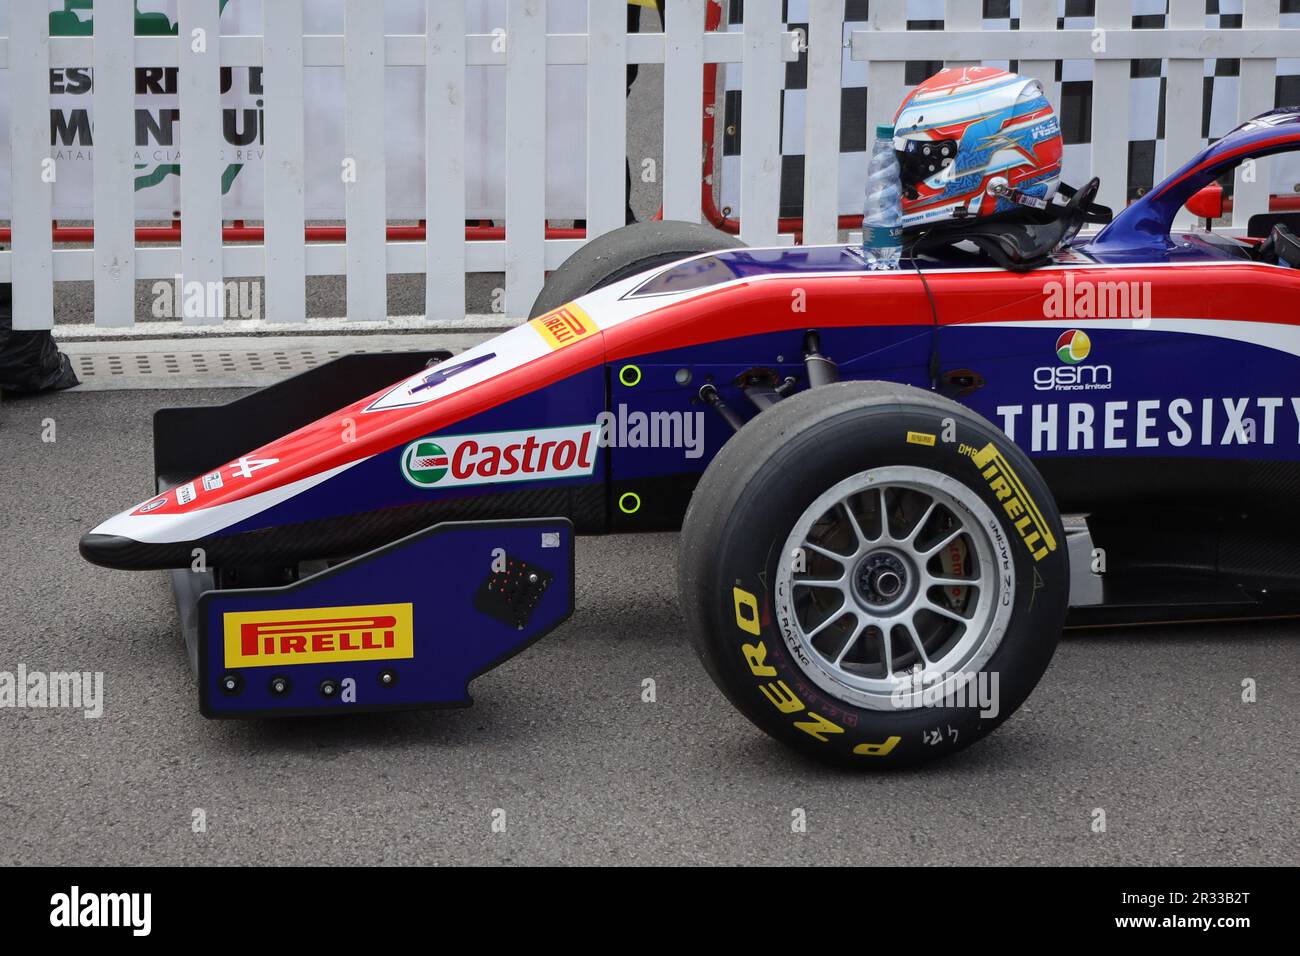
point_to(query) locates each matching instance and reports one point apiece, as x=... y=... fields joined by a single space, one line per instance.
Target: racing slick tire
x=873 y=574
x=625 y=252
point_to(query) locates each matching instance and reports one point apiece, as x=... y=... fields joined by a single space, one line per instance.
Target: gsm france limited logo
x=1072 y=348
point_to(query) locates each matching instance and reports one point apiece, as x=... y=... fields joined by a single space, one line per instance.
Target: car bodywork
x=1152 y=377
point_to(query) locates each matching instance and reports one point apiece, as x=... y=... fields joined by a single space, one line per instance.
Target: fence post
x=1110 y=107
x=962 y=15
x=1041 y=15
x=114 y=173
x=606 y=116
x=1255 y=95
x=285 y=202
x=885 y=78
x=32 y=258
x=760 y=125
x=444 y=158
x=821 y=171
x=200 y=104
x=364 y=183
x=683 y=94
x=1184 y=93
x=526 y=153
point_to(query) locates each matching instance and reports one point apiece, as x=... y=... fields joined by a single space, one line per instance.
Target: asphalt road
x=1145 y=724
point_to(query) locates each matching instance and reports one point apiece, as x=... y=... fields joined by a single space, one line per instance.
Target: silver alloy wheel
x=894 y=583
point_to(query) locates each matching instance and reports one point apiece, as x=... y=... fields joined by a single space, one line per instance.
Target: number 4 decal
x=245 y=467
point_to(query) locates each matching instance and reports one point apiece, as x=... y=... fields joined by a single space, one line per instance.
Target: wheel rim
x=895 y=582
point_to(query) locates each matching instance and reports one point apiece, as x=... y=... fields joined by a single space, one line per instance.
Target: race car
x=868 y=467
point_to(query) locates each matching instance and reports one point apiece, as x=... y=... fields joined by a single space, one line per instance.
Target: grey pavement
x=1146 y=724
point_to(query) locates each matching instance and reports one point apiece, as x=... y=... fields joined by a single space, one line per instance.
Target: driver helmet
x=976 y=141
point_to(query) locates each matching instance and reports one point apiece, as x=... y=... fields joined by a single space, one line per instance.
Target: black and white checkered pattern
x=1146 y=134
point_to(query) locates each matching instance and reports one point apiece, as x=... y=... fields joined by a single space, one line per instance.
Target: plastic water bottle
x=882 y=213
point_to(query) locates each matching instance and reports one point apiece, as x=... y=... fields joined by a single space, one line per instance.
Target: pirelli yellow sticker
x=363 y=632
x=1016 y=501
x=564 y=326
x=921 y=438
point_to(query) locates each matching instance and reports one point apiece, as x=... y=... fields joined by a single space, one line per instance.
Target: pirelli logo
x=1016 y=501
x=564 y=326
x=364 y=632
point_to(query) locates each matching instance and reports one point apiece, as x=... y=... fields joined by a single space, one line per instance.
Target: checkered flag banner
x=1146 y=145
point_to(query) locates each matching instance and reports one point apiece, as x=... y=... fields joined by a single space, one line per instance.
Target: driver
x=979 y=151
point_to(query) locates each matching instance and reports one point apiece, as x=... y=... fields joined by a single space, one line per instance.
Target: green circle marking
x=629 y=503
x=630 y=375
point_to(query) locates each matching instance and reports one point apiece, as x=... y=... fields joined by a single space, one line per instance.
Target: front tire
x=873 y=574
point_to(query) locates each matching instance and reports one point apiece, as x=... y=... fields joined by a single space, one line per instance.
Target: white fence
x=523 y=48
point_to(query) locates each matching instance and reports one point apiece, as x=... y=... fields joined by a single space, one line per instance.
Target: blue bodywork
x=439 y=576
x=1141 y=233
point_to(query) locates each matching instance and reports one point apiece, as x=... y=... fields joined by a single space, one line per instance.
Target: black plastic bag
x=30 y=362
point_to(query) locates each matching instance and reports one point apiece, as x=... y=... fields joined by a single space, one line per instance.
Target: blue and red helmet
x=974 y=141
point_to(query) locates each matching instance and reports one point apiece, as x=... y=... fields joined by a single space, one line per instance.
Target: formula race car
x=868 y=466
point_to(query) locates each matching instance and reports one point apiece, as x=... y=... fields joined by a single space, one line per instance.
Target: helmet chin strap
x=998 y=186
x=1017 y=240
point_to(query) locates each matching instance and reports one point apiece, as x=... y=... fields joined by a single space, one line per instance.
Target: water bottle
x=882 y=213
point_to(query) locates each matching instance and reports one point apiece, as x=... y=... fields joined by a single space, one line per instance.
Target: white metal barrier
x=1112 y=46
x=445 y=50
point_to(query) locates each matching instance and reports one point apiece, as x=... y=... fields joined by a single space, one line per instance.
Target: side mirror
x=1208 y=203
